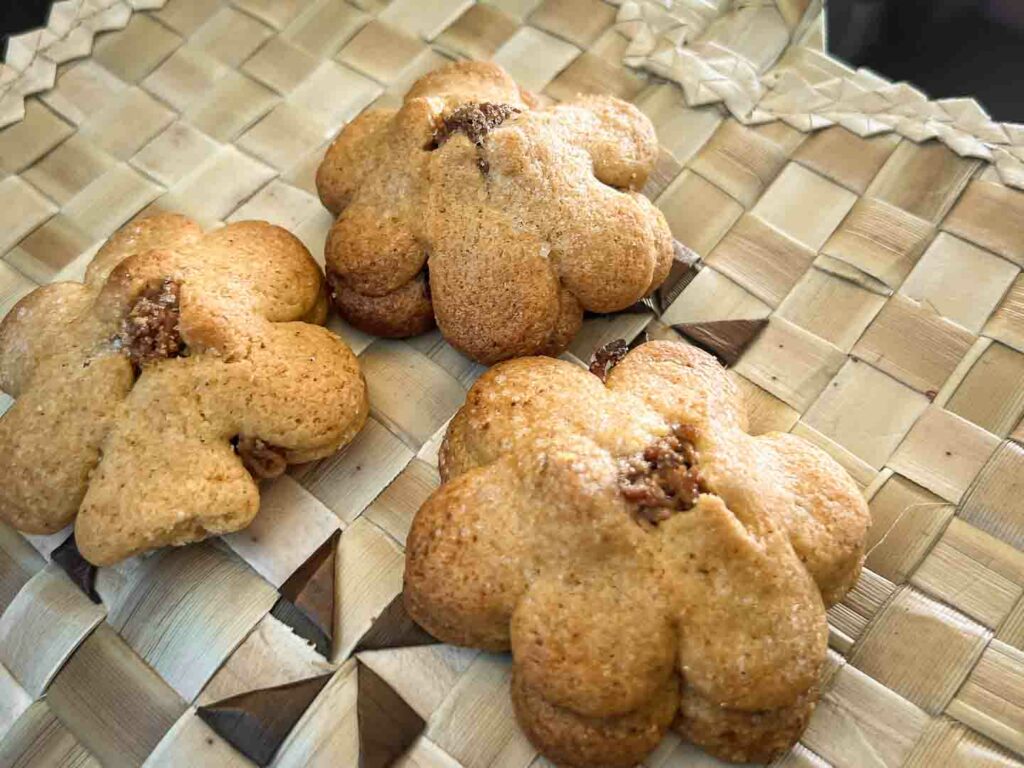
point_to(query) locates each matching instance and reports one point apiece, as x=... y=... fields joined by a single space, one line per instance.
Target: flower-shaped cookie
x=646 y=560
x=151 y=396
x=502 y=222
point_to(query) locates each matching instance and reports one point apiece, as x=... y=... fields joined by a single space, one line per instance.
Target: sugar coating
x=518 y=218
x=143 y=455
x=712 y=618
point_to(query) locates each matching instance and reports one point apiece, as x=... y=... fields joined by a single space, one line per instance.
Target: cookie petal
x=599 y=644
x=406 y=311
x=463 y=81
x=163 y=231
x=604 y=250
x=306 y=394
x=350 y=158
x=570 y=739
x=514 y=403
x=168 y=473
x=372 y=252
x=829 y=520
x=618 y=137
x=464 y=559
x=743 y=737
x=50 y=441
x=495 y=294
x=735 y=589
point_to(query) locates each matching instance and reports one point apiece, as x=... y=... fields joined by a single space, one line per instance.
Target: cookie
x=501 y=221
x=151 y=397
x=646 y=560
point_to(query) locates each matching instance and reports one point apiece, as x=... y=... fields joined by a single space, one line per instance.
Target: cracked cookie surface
x=646 y=560
x=501 y=221
x=133 y=388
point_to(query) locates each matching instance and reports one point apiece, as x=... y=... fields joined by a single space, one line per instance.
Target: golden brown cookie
x=644 y=558
x=518 y=218
x=152 y=396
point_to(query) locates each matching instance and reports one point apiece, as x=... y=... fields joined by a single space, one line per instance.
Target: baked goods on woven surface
x=647 y=561
x=151 y=396
x=502 y=221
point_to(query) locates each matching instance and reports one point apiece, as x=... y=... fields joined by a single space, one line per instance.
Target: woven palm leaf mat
x=878 y=285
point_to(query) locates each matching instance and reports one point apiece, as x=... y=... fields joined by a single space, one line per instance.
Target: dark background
x=20 y=16
x=944 y=47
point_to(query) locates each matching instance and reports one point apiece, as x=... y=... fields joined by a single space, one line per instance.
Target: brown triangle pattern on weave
x=256 y=723
x=685 y=266
x=725 y=339
x=307 y=598
x=387 y=724
x=78 y=569
x=644 y=306
x=394 y=628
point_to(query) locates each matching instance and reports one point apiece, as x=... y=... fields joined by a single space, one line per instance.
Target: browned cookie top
x=643 y=556
x=525 y=217
x=150 y=396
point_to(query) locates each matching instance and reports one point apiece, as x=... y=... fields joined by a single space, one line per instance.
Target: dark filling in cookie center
x=262 y=460
x=607 y=357
x=665 y=478
x=475 y=121
x=150 y=329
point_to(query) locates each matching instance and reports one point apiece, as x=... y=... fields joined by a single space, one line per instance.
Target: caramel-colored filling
x=150 y=329
x=475 y=121
x=262 y=460
x=665 y=478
